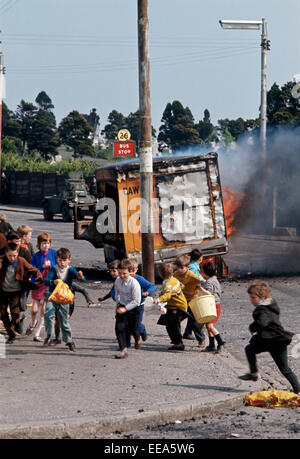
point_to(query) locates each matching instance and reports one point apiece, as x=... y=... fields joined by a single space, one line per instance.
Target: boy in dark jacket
x=268 y=334
x=15 y=273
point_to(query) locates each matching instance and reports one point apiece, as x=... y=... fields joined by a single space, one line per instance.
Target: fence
x=24 y=187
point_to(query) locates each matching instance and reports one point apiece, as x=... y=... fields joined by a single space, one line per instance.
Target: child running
x=192 y=286
x=15 y=274
x=114 y=273
x=67 y=274
x=128 y=298
x=213 y=287
x=176 y=305
x=43 y=260
x=25 y=232
x=268 y=334
x=75 y=288
x=147 y=288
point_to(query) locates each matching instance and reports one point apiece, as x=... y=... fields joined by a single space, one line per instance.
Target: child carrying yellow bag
x=62 y=294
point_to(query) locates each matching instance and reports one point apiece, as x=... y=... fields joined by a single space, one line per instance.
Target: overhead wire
x=132 y=61
x=129 y=64
x=7 y=6
x=86 y=40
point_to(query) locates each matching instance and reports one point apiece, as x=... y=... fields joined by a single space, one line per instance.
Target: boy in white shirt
x=128 y=298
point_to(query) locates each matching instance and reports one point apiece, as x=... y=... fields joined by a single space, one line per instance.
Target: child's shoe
x=37 y=339
x=209 y=349
x=47 y=340
x=90 y=303
x=219 y=349
x=55 y=341
x=10 y=340
x=176 y=347
x=71 y=346
x=122 y=355
x=249 y=377
x=144 y=336
x=29 y=330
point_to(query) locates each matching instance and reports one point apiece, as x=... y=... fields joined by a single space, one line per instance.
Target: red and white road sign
x=124 y=149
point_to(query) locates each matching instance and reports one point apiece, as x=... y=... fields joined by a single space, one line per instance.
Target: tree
x=43 y=136
x=282 y=107
x=44 y=102
x=226 y=137
x=10 y=127
x=207 y=131
x=116 y=121
x=235 y=127
x=25 y=115
x=178 y=129
x=74 y=131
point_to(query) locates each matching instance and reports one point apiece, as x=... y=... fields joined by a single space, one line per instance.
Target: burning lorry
x=187 y=207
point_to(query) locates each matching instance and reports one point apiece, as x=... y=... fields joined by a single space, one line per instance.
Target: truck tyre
x=46 y=212
x=67 y=213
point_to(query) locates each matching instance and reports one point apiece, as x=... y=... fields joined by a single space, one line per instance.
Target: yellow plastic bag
x=273 y=398
x=62 y=294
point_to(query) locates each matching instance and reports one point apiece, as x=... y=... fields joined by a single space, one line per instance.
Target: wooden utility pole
x=1 y=98
x=145 y=144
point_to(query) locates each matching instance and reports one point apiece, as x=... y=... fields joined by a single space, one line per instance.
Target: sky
x=84 y=54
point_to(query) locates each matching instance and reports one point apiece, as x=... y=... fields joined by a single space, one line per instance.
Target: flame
x=232 y=202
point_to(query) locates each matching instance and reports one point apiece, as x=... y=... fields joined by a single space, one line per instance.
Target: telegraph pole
x=145 y=144
x=1 y=98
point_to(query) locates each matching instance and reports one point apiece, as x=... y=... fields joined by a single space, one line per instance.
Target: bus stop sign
x=124 y=149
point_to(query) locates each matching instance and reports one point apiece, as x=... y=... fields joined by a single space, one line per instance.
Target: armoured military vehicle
x=75 y=192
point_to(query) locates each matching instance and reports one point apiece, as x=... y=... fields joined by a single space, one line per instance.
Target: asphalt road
x=83 y=253
x=233 y=325
x=248 y=422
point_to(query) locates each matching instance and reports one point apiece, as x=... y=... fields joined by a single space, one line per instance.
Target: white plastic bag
x=149 y=305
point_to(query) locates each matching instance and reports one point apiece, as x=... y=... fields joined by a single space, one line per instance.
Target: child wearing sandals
x=43 y=260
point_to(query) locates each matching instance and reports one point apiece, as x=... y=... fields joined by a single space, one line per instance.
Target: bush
x=34 y=162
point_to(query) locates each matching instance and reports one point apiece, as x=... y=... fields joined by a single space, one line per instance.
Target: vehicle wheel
x=67 y=213
x=47 y=214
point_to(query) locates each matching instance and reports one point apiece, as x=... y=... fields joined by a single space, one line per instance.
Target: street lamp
x=265 y=45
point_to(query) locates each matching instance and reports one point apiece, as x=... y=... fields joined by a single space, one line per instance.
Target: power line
x=120 y=63
x=7 y=6
x=86 y=40
x=125 y=65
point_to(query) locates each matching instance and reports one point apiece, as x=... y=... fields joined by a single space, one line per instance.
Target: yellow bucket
x=204 y=308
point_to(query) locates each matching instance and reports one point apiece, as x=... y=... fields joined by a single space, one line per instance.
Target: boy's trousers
x=61 y=311
x=278 y=352
x=83 y=291
x=193 y=326
x=173 y=326
x=129 y=319
x=11 y=300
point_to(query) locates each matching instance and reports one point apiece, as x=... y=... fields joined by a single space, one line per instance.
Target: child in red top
x=43 y=260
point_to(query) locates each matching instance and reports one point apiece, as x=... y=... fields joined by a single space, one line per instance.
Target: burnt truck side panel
x=188 y=208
